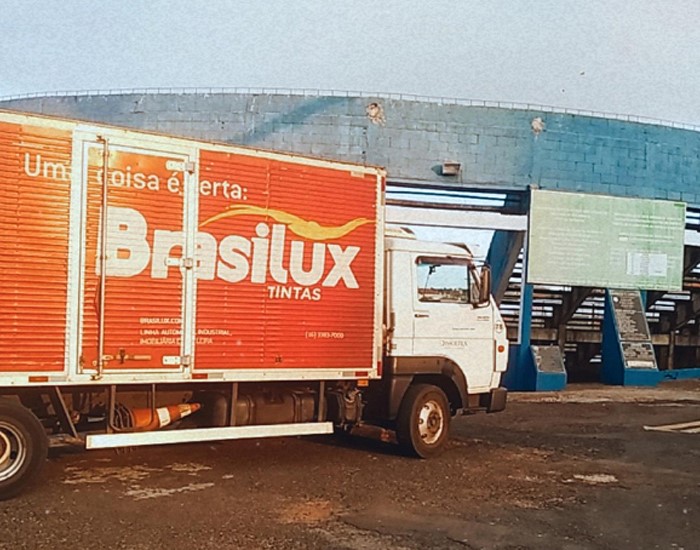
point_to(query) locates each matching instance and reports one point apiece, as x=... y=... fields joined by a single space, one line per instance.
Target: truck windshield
x=446 y=280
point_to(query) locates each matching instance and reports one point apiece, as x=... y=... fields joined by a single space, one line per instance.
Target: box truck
x=159 y=290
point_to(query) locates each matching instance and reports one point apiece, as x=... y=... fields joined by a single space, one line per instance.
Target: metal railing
x=314 y=92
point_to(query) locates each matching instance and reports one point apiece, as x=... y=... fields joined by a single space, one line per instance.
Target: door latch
x=187 y=263
x=123 y=356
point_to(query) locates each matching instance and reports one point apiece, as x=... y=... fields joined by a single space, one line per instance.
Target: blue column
x=612 y=367
x=521 y=369
x=502 y=257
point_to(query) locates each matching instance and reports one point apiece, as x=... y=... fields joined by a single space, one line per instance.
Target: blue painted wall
x=496 y=146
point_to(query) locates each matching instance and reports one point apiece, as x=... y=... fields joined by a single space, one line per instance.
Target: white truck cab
x=445 y=340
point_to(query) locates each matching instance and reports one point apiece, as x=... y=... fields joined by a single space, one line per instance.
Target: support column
x=627 y=351
x=502 y=256
x=521 y=369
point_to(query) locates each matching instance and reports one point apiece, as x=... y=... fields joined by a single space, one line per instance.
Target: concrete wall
x=496 y=146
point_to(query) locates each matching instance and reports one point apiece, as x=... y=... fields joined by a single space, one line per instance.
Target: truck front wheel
x=423 y=423
x=23 y=448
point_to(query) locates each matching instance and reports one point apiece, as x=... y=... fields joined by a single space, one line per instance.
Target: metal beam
x=462 y=186
x=463 y=219
x=570 y=304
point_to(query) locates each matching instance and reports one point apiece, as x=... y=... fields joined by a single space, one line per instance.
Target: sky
x=636 y=57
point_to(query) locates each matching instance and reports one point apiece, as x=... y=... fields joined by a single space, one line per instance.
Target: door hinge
x=177 y=360
x=187 y=263
x=181 y=166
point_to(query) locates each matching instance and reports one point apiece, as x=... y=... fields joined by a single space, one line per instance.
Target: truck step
x=110 y=441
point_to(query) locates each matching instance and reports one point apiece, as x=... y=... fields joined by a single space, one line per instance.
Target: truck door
x=135 y=276
x=447 y=324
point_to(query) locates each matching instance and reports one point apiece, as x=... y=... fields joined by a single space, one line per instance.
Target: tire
x=23 y=448
x=423 y=423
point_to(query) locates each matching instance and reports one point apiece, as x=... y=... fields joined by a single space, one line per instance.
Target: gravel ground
x=572 y=470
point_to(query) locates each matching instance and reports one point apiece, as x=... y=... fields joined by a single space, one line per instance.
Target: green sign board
x=602 y=241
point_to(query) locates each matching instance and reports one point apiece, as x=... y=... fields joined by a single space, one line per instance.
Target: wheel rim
x=13 y=450
x=431 y=422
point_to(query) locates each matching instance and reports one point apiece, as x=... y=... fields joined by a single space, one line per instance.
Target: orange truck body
x=214 y=262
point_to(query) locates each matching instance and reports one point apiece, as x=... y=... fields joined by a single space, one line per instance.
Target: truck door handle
x=421 y=315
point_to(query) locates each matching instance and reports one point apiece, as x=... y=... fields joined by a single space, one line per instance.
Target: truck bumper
x=497 y=400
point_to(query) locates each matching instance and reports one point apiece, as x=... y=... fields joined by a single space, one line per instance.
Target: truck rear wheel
x=23 y=448
x=423 y=423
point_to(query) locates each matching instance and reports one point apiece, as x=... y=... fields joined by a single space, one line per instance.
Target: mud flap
x=497 y=400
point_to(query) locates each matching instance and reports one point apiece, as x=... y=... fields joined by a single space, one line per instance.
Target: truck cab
x=445 y=344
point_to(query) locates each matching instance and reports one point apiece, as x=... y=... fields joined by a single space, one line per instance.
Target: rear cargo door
x=135 y=270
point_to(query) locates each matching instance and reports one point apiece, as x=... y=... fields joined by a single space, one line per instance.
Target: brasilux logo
x=259 y=258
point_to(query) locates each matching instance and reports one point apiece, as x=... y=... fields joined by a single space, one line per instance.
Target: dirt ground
x=571 y=470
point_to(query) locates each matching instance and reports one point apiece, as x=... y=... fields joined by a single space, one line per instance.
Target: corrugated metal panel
x=282 y=227
x=34 y=219
x=285 y=257
x=143 y=295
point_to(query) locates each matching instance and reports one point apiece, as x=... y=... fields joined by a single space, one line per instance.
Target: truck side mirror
x=485 y=288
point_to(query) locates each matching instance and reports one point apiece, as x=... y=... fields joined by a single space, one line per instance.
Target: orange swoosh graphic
x=310 y=230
